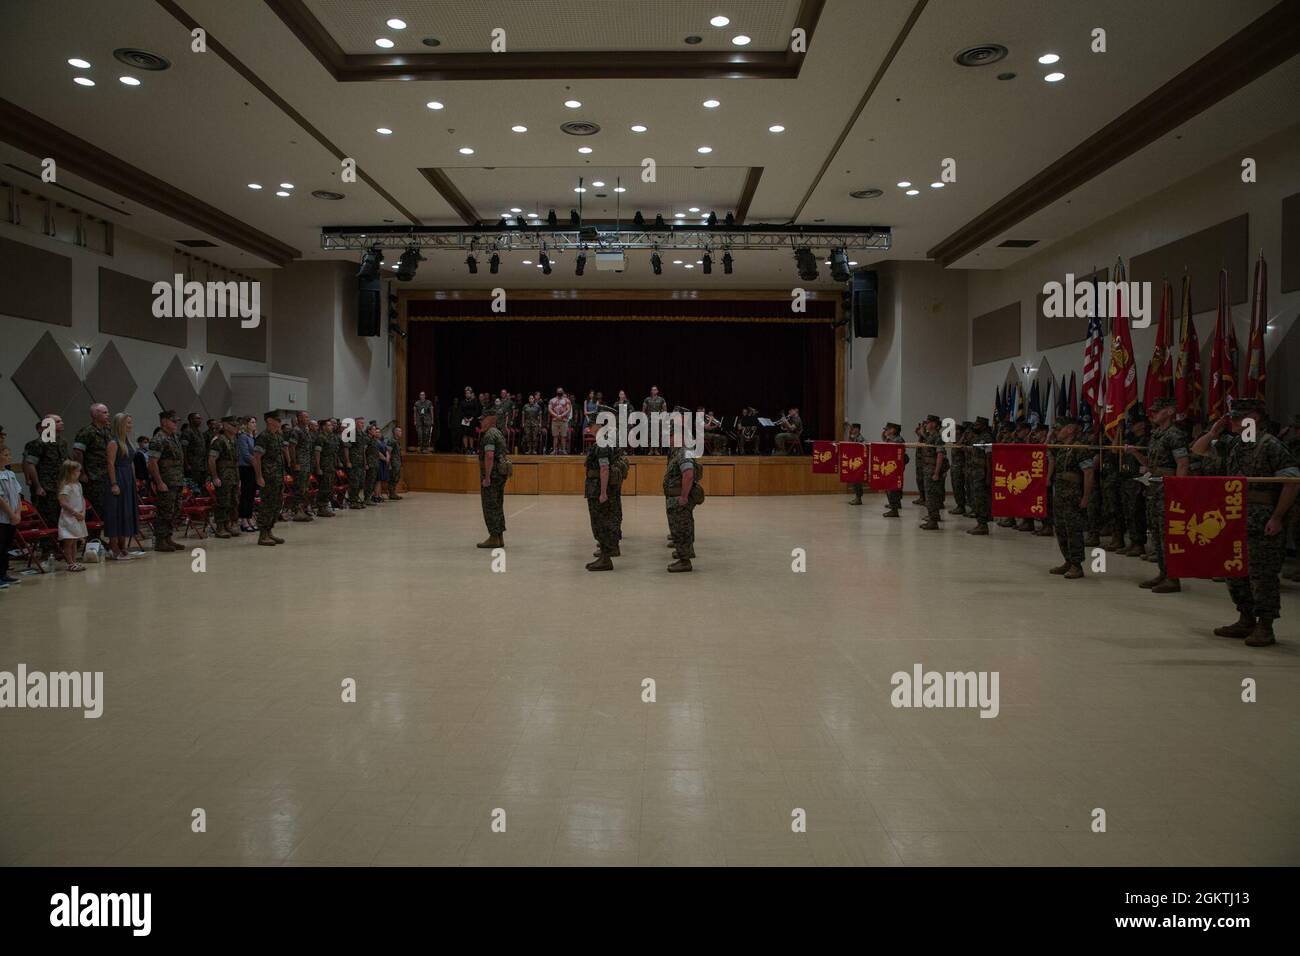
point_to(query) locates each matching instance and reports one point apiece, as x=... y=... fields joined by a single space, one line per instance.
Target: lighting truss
x=487 y=238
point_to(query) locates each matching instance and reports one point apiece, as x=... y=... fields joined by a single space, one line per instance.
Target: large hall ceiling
x=260 y=106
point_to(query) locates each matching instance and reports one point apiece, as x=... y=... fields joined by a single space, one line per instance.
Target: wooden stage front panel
x=563 y=475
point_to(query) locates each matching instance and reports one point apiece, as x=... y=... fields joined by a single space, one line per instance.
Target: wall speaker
x=862 y=305
x=369 y=306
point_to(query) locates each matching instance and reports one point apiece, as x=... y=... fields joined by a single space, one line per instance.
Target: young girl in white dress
x=72 y=513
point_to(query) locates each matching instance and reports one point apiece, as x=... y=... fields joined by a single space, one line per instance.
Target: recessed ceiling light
x=704 y=149
x=853 y=262
x=383 y=131
x=711 y=104
x=397 y=23
x=620 y=189
x=904 y=184
x=254 y=185
x=286 y=185
x=505 y=214
x=283 y=193
x=776 y=129
x=1048 y=58
x=584 y=149
x=693 y=39
x=694 y=209
x=741 y=40
x=526 y=262
x=79 y=63
x=128 y=81
x=433 y=105
x=519 y=129
x=572 y=104
x=1054 y=77
x=638 y=128
x=579 y=189
x=597 y=183
x=720 y=21
x=466 y=151
x=936 y=185
x=689 y=265
x=679 y=215
x=83 y=81
x=384 y=43
x=515 y=209
x=913 y=192
x=677 y=262
x=532 y=215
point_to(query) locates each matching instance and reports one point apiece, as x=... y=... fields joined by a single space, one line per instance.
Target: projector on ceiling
x=609 y=261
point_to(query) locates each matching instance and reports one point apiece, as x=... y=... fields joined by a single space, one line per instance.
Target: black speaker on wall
x=369 y=306
x=862 y=305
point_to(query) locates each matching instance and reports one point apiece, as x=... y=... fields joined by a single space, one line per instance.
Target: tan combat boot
x=1262 y=635
x=493 y=541
x=1061 y=568
x=891 y=513
x=981 y=528
x=1158 y=579
x=1242 y=628
x=602 y=563
x=1074 y=572
x=264 y=537
x=681 y=564
x=1167 y=586
x=930 y=525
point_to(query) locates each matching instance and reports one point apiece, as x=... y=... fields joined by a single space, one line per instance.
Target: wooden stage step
x=564 y=475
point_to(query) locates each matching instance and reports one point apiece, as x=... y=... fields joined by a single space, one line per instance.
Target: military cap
x=1241 y=407
x=230 y=420
x=894 y=425
x=166 y=414
x=965 y=425
x=981 y=422
x=934 y=418
x=271 y=414
x=1162 y=402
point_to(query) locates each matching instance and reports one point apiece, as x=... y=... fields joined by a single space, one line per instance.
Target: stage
x=724 y=475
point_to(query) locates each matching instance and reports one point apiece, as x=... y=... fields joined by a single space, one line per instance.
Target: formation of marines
x=1103 y=487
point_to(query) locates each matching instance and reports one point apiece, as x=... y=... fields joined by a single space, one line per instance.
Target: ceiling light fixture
x=584 y=150
x=384 y=43
x=433 y=105
x=383 y=131
x=519 y=129
x=371 y=260
x=282 y=193
x=656 y=264
x=254 y=185
x=472 y=263
x=466 y=151
x=707 y=262
x=638 y=128
x=572 y=104
x=904 y=185
x=545 y=264
x=807 y=263
x=128 y=81
x=620 y=189
x=1054 y=77
x=740 y=40
x=408 y=263
x=1047 y=59
x=694 y=209
x=79 y=63
x=515 y=209
x=579 y=263
x=720 y=21
x=83 y=81
x=936 y=185
x=726 y=263
x=704 y=149
x=396 y=23
x=776 y=129
x=839 y=265
x=494 y=264
x=913 y=192
x=711 y=104
x=286 y=185
x=598 y=183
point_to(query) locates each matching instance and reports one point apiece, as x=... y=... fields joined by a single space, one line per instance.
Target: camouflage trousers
x=92 y=490
x=534 y=441
x=933 y=496
x=1095 y=519
x=1112 y=502
x=981 y=500
x=1260 y=594
x=47 y=505
x=356 y=478
x=394 y=476
x=270 y=499
x=681 y=523
x=895 y=499
x=325 y=485
x=1068 y=520
x=857 y=489
x=959 y=483
x=493 y=498
x=1134 y=508
x=605 y=520
x=167 y=512
x=425 y=434
x=302 y=489
x=1156 y=521
x=372 y=477
x=227 y=497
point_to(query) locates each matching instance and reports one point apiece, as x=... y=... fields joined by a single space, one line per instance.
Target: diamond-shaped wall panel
x=50 y=384
x=215 y=394
x=110 y=381
x=174 y=390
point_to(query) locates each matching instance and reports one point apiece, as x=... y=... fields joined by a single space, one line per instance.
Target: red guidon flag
x=887 y=466
x=1019 y=481
x=1205 y=527
x=824 y=458
x=853 y=462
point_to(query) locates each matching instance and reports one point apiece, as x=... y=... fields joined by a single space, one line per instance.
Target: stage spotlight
x=551 y=220
x=730 y=221
x=522 y=220
x=726 y=263
x=807 y=263
x=638 y=220
x=370 y=260
x=659 y=221
x=707 y=264
x=574 y=218
x=579 y=264
x=839 y=266
x=657 y=264
x=408 y=262
x=472 y=263
x=503 y=223
x=494 y=264
x=713 y=219
x=546 y=264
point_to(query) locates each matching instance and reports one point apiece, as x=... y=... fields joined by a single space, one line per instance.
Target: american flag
x=1092 y=351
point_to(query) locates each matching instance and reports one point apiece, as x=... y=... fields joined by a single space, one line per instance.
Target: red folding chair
x=197 y=514
x=94 y=523
x=30 y=531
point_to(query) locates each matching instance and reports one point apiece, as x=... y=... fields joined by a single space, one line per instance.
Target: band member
x=893 y=432
x=855 y=435
x=747 y=431
x=470 y=409
x=789 y=440
x=424 y=423
x=533 y=427
x=715 y=439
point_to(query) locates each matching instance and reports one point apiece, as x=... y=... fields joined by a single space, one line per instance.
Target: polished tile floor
x=519 y=693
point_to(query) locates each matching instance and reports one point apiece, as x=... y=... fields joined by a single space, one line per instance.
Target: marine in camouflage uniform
x=223 y=468
x=374 y=447
x=1257 y=597
x=1110 y=467
x=167 y=466
x=268 y=466
x=978 y=469
x=90 y=447
x=195 y=451
x=1072 y=478
x=681 y=514
x=394 y=463
x=532 y=421
x=492 y=494
x=960 y=458
x=1134 y=495
x=855 y=435
x=603 y=490
x=1166 y=454
x=325 y=453
x=302 y=441
x=423 y=423
x=354 y=454
x=1292 y=442
x=931 y=459
x=893 y=432
x=42 y=462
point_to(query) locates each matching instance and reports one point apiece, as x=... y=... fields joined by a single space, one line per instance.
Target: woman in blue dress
x=121 y=503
